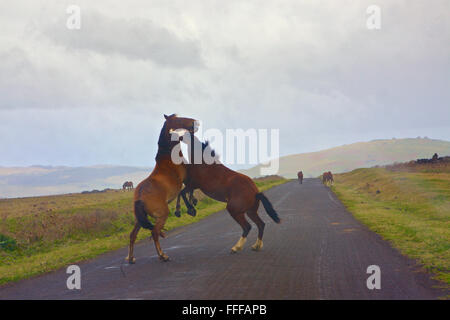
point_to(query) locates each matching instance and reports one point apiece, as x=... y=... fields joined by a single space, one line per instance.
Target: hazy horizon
x=106 y=165
x=50 y=180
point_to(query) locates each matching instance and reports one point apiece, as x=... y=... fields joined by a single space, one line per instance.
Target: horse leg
x=192 y=199
x=156 y=232
x=190 y=209
x=177 y=209
x=240 y=218
x=253 y=215
x=133 y=236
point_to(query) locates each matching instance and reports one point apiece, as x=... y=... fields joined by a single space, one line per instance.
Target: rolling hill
x=357 y=155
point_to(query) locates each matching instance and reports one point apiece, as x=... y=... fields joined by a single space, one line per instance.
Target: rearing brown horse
x=236 y=189
x=152 y=195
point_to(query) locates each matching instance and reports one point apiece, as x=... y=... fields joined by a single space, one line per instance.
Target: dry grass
x=35 y=205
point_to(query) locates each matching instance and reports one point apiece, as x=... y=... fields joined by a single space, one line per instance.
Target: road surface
x=319 y=251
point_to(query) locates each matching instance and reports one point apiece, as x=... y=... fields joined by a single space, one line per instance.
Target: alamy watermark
x=73 y=22
x=374 y=281
x=373 y=21
x=74 y=280
x=241 y=147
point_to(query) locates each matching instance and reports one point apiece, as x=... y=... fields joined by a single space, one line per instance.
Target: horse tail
x=268 y=206
x=141 y=215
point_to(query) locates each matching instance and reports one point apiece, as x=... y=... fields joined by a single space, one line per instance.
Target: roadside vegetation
x=407 y=204
x=41 y=234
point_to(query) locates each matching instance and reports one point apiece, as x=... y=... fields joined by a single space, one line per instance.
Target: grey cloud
x=136 y=39
x=28 y=81
x=311 y=69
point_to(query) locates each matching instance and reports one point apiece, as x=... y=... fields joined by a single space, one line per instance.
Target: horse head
x=179 y=125
x=175 y=125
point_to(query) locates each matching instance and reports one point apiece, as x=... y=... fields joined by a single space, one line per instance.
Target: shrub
x=7 y=243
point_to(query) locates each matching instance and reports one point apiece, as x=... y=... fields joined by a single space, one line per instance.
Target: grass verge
x=409 y=209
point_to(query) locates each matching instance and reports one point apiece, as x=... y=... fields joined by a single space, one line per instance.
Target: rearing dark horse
x=236 y=189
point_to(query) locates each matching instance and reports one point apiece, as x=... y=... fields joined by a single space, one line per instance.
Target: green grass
x=411 y=211
x=41 y=234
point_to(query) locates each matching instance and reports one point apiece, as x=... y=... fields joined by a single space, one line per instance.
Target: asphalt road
x=319 y=251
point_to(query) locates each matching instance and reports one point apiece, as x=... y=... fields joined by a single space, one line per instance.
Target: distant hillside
x=357 y=155
x=48 y=180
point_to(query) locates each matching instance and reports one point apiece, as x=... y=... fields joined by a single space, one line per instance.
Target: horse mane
x=206 y=145
x=163 y=143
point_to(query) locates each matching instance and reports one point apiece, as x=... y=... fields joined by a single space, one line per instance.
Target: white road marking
x=331 y=198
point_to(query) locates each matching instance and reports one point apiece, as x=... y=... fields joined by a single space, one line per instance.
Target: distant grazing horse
x=162 y=186
x=327 y=177
x=236 y=189
x=300 y=177
x=128 y=185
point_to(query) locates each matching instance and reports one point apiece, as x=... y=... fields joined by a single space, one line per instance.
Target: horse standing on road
x=327 y=177
x=300 y=177
x=236 y=189
x=330 y=177
x=324 y=177
x=153 y=194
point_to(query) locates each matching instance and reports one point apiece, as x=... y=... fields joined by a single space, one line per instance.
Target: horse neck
x=165 y=145
x=166 y=153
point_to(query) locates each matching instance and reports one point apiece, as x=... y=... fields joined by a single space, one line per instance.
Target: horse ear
x=171 y=116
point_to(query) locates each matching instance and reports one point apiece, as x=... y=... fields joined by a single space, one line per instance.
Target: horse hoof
x=235 y=250
x=192 y=212
x=130 y=261
x=164 y=258
x=162 y=234
x=258 y=245
x=177 y=213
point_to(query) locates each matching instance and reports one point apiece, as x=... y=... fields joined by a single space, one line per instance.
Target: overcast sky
x=309 y=68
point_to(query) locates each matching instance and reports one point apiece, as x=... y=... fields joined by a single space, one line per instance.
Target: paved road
x=319 y=251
